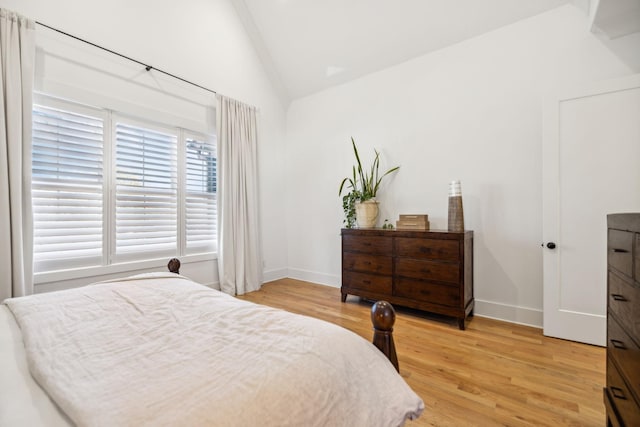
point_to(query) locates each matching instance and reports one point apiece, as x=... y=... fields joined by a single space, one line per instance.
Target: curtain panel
x=239 y=246
x=17 y=57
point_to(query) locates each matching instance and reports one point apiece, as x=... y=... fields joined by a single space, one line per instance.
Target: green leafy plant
x=349 y=207
x=363 y=184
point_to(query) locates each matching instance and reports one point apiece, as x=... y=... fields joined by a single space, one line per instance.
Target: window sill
x=78 y=273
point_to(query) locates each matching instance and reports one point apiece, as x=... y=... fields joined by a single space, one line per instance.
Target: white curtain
x=239 y=246
x=17 y=55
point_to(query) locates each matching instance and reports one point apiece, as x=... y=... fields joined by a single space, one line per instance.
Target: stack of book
x=413 y=222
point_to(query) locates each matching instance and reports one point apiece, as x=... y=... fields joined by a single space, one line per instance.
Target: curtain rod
x=146 y=66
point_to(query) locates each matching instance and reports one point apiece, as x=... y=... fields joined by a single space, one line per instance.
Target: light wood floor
x=492 y=374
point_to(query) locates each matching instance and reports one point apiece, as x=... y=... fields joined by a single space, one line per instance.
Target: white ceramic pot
x=366 y=213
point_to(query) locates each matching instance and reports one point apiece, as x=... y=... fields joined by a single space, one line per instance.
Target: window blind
x=67 y=187
x=200 y=197
x=108 y=188
x=146 y=190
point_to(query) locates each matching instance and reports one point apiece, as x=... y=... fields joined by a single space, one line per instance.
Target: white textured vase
x=366 y=213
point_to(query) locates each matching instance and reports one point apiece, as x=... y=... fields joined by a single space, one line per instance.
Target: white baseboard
x=508 y=313
x=493 y=310
x=314 y=277
x=271 y=275
x=213 y=285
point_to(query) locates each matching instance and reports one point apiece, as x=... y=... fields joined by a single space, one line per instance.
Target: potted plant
x=359 y=203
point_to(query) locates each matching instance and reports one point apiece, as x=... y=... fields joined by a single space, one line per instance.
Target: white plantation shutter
x=110 y=189
x=67 y=186
x=200 y=195
x=146 y=191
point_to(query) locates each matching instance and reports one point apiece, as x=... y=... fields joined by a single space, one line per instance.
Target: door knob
x=550 y=245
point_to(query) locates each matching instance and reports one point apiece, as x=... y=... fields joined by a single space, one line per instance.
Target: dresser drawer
x=613 y=418
x=367 y=282
x=620 y=244
x=431 y=270
x=446 y=250
x=625 y=404
x=428 y=292
x=367 y=263
x=624 y=302
x=626 y=354
x=373 y=245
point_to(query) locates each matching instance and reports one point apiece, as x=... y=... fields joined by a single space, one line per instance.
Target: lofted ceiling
x=310 y=45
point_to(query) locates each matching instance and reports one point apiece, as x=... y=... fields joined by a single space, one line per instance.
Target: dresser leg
x=461 y=323
x=344 y=297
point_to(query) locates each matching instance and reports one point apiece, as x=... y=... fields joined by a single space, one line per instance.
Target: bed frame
x=383 y=316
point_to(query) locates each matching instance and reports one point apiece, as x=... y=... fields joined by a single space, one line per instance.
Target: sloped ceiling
x=616 y=18
x=310 y=45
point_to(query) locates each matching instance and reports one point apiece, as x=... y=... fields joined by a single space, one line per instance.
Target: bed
x=159 y=349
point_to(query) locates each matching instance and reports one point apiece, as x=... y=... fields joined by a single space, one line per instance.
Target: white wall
x=471 y=112
x=202 y=41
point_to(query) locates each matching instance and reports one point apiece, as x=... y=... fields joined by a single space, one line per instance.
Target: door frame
x=558 y=322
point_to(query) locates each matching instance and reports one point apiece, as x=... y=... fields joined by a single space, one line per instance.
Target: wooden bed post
x=174 y=265
x=383 y=316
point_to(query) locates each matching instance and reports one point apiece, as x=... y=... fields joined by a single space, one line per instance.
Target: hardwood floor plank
x=492 y=374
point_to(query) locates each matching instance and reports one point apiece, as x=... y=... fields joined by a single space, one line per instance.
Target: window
x=109 y=189
x=67 y=187
x=146 y=191
x=201 y=191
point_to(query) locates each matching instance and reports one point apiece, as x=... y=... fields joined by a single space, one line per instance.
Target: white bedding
x=22 y=401
x=162 y=350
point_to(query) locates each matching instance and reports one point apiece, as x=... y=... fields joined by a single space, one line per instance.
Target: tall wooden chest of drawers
x=622 y=393
x=427 y=270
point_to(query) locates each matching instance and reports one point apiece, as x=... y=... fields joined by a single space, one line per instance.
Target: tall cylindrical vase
x=456 y=215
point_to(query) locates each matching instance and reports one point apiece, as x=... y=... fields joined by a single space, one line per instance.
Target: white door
x=591 y=167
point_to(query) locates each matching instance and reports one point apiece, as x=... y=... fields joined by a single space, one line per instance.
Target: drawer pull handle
x=618 y=344
x=368 y=282
x=618 y=297
x=619 y=251
x=618 y=393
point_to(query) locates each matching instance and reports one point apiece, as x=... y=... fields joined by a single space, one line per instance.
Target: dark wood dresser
x=622 y=393
x=427 y=270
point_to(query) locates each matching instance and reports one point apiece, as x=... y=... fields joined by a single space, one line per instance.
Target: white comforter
x=162 y=350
